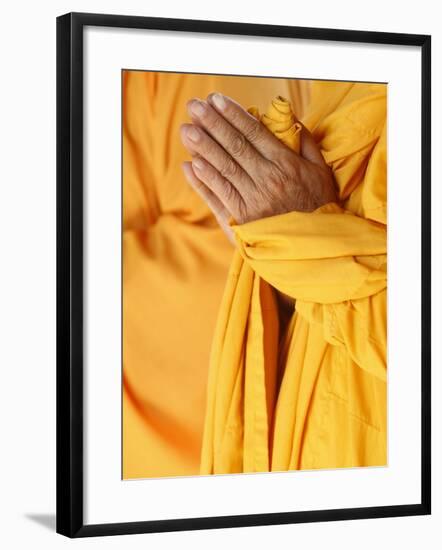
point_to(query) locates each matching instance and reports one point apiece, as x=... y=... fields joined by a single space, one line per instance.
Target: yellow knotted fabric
x=281 y=121
x=314 y=396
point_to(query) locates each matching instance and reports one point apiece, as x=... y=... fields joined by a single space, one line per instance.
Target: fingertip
x=190 y=101
x=196 y=108
x=188 y=171
x=210 y=96
x=183 y=131
x=217 y=100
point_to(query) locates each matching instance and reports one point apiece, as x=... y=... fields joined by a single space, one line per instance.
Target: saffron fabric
x=175 y=264
x=310 y=395
x=314 y=397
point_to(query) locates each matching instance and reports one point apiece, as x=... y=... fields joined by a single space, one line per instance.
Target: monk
x=303 y=386
x=296 y=377
x=175 y=264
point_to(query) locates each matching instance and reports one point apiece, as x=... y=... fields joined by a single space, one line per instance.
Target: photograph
x=243 y=237
x=220 y=278
x=254 y=274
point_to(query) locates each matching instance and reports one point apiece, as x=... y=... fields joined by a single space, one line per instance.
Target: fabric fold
x=266 y=406
x=326 y=256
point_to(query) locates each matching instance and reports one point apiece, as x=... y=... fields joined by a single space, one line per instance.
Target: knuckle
x=213 y=123
x=235 y=115
x=207 y=148
x=238 y=146
x=253 y=132
x=229 y=168
x=228 y=193
x=230 y=112
x=278 y=173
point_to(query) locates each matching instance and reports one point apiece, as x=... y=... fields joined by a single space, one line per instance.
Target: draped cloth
x=313 y=395
x=175 y=263
x=324 y=379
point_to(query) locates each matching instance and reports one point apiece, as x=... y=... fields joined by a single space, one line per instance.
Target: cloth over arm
x=269 y=394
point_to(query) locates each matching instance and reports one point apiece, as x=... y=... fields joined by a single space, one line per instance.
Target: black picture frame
x=70 y=273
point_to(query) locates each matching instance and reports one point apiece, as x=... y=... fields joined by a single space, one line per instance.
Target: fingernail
x=193 y=134
x=219 y=101
x=197 y=107
x=198 y=164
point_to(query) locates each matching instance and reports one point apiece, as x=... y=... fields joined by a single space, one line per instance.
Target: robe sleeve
x=140 y=200
x=334 y=264
x=326 y=256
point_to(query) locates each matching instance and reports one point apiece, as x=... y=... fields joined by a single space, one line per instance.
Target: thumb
x=309 y=148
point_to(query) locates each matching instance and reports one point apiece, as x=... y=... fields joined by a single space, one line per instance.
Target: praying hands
x=242 y=170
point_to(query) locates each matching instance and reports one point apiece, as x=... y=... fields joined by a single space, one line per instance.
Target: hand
x=242 y=170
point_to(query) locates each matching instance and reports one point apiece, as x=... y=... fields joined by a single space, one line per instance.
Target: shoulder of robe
x=349 y=122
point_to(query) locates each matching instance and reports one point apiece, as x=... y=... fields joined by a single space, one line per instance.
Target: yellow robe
x=175 y=264
x=314 y=397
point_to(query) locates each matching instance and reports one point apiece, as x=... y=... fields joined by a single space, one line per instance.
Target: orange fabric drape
x=315 y=396
x=175 y=263
x=318 y=398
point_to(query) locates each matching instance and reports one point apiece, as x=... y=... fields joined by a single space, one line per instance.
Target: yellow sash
x=333 y=263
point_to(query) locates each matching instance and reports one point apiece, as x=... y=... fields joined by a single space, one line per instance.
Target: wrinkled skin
x=242 y=170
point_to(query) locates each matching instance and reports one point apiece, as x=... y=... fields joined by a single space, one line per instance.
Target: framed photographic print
x=239 y=340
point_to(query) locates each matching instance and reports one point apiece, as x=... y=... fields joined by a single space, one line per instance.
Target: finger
x=221 y=187
x=232 y=140
x=200 y=143
x=253 y=130
x=216 y=206
x=310 y=149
